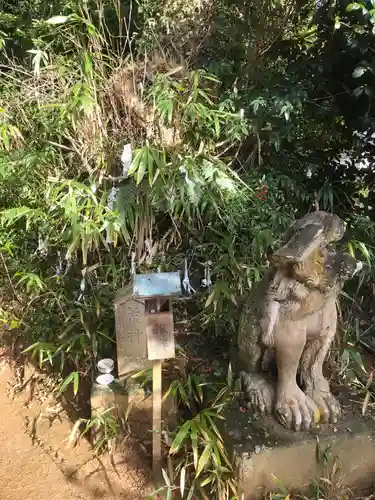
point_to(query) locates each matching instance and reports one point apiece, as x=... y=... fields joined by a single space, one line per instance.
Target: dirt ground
x=38 y=463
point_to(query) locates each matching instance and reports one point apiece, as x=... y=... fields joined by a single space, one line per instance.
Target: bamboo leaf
x=31 y=347
x=180 y=437
x=75 y=382
x=365 y=251
x=183 y=394
x=66 y=382
x=351 y=249
x=142 y=166
x=135 y=163
x=156 y=492
x=74 y=433
x=217 y=126
x=210 y=299
x=366 y=402
x=182 y=481
x=191 y=492
x=166 y=478
x=194 y=443
x=170 y=391
x=214 y=427
x=216 y=456
x=204 y=459
x=208 y=480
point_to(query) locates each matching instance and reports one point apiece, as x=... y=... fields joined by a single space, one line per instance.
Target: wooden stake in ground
x=160 y=345
x=156 y=420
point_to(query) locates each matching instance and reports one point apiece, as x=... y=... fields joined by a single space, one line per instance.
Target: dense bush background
x=237 y=113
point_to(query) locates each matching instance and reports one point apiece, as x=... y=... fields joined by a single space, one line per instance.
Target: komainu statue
x=289 y=323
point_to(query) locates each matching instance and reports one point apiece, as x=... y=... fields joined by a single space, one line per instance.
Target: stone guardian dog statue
x=290 y=320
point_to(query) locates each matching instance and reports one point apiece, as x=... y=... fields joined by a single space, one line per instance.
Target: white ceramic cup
x=105 y=379
x=105 y=365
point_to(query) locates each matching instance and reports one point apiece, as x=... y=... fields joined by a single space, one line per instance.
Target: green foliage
x=103 y=428
x=70 y=246
x=202 y=466
x=223 y=158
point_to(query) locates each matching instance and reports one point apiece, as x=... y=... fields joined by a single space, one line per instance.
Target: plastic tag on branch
x=42 y=245
x=83 y=280
x=112 y=198
x=126 y=159
x=110 y=205
x=59 y=267
x=186 y=281
x=206 y=281
x=150 y=251
x=184 y=174
x=133 y=265
x=108 y=236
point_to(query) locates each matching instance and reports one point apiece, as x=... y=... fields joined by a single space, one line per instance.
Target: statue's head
x=312 y=232
x=334 y=227
x=341 y=266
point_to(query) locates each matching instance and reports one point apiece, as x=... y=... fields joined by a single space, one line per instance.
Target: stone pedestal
x=271 y=457
x=104 y=397
x=131 y=405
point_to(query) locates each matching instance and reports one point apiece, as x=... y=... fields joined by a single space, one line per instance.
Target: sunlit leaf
x=366 y=401
x=57 y=20
x=365 y=251
x=182 y=481
x=353 y=6
x=204 y=459
x=165 y=476
x=208 y=480
x=359 y=71
x=142 y=166
x=194 y=443
x=75 y=382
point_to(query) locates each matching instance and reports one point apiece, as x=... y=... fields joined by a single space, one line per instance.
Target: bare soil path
x=36 y=462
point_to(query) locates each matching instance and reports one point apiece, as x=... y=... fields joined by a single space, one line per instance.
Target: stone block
x=131 y=341
x=132 y=405
x=270 y=456
x=140 y=410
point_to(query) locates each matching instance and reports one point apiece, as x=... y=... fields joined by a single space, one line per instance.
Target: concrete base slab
x=272 y=458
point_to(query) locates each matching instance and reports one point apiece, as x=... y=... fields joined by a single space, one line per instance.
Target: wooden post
x=156 y=420
x=156 y=414
x=160 y=346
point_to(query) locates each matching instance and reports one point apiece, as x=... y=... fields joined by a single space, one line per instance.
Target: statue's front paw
x=295 y=410
x=259 y=393
x=329 y=407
